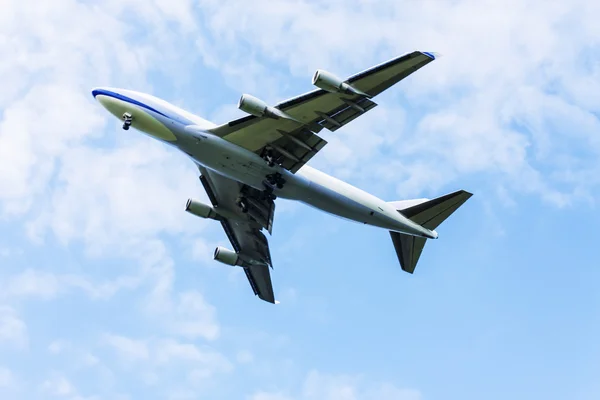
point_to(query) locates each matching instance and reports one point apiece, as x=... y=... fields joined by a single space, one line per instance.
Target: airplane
x=247 y=163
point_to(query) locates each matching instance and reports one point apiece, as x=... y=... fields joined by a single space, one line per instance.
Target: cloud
x=13 y=330
x=244 y=357
x=269 y=396
x=32 y=283
x=322 y=386
x=57 y=347
x=156 y=356
x=514 y=100
x=59 y=386
x=132 y=195
x=6 y=377
x=60 y=175
x=129 y=349
x=470 y=101
x=194 y=317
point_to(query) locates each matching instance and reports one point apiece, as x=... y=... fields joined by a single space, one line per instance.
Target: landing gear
x=276 y=179
x=271 y=182
x=127 y=119
x=268 y=156
x=242 y=204
x=268 y=194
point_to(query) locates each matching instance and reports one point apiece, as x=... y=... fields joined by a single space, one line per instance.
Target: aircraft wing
x=244 y=229
x=292 y=137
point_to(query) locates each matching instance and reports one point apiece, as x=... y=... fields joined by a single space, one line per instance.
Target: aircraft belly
x=334 y=203
x=316 y=190
x=226 y=158
x=369 y=211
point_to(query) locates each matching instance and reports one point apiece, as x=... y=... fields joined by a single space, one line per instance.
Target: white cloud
x=471 y=97
x=270 y=396
x=133 y=195
x=168 y=351
x=61 y=176
x=90 y=360
x=13 y=329
x=59 y=386
x=47 y=285
x=6 y=377
x=57 y=347
x=194 y=317
x=116 y=201
x=244 y=357
x=128 y=349
x=319 y=386
x=152 y=357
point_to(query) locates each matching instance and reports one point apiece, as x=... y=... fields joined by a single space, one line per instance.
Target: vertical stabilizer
x=408 y=248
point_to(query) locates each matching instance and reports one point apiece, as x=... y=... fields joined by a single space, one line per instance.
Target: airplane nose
x=97 y=91
x=105 y=96
x=109 y=99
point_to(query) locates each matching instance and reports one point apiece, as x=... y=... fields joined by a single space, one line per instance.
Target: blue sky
x=108 y=289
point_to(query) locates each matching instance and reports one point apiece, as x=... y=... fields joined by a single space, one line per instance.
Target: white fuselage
x=188 y=133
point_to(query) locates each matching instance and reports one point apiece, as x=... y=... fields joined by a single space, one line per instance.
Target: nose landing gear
x=127 y=119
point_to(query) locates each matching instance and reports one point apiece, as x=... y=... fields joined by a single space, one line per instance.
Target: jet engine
x=227 y=256
x=331 y=83
x=200 y=209
x=258 y=108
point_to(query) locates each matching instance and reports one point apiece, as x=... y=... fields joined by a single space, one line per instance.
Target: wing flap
x=293 y=149
x=347 y=113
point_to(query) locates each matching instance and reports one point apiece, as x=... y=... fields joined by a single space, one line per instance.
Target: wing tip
x=431 y=54
x=466 y=193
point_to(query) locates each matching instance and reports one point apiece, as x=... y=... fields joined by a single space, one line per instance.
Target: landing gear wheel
x=268 y=192
x=127 y=119
x=276 y=180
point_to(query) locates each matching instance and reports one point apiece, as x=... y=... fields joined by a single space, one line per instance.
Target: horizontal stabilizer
x=431 y=213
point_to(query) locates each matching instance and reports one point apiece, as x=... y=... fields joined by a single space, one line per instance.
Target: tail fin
x=427 y=213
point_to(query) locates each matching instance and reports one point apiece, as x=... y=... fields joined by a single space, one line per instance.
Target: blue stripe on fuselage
x=103 y=92
x=108 y=93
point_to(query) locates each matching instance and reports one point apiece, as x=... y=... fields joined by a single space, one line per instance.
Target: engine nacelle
x=227 y=256
x=258 y=108
x=252 y=105
x=200 y=209
x=331 y=83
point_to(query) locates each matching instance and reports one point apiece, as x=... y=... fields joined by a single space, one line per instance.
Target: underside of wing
x=243 y=229
x=288 y=131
